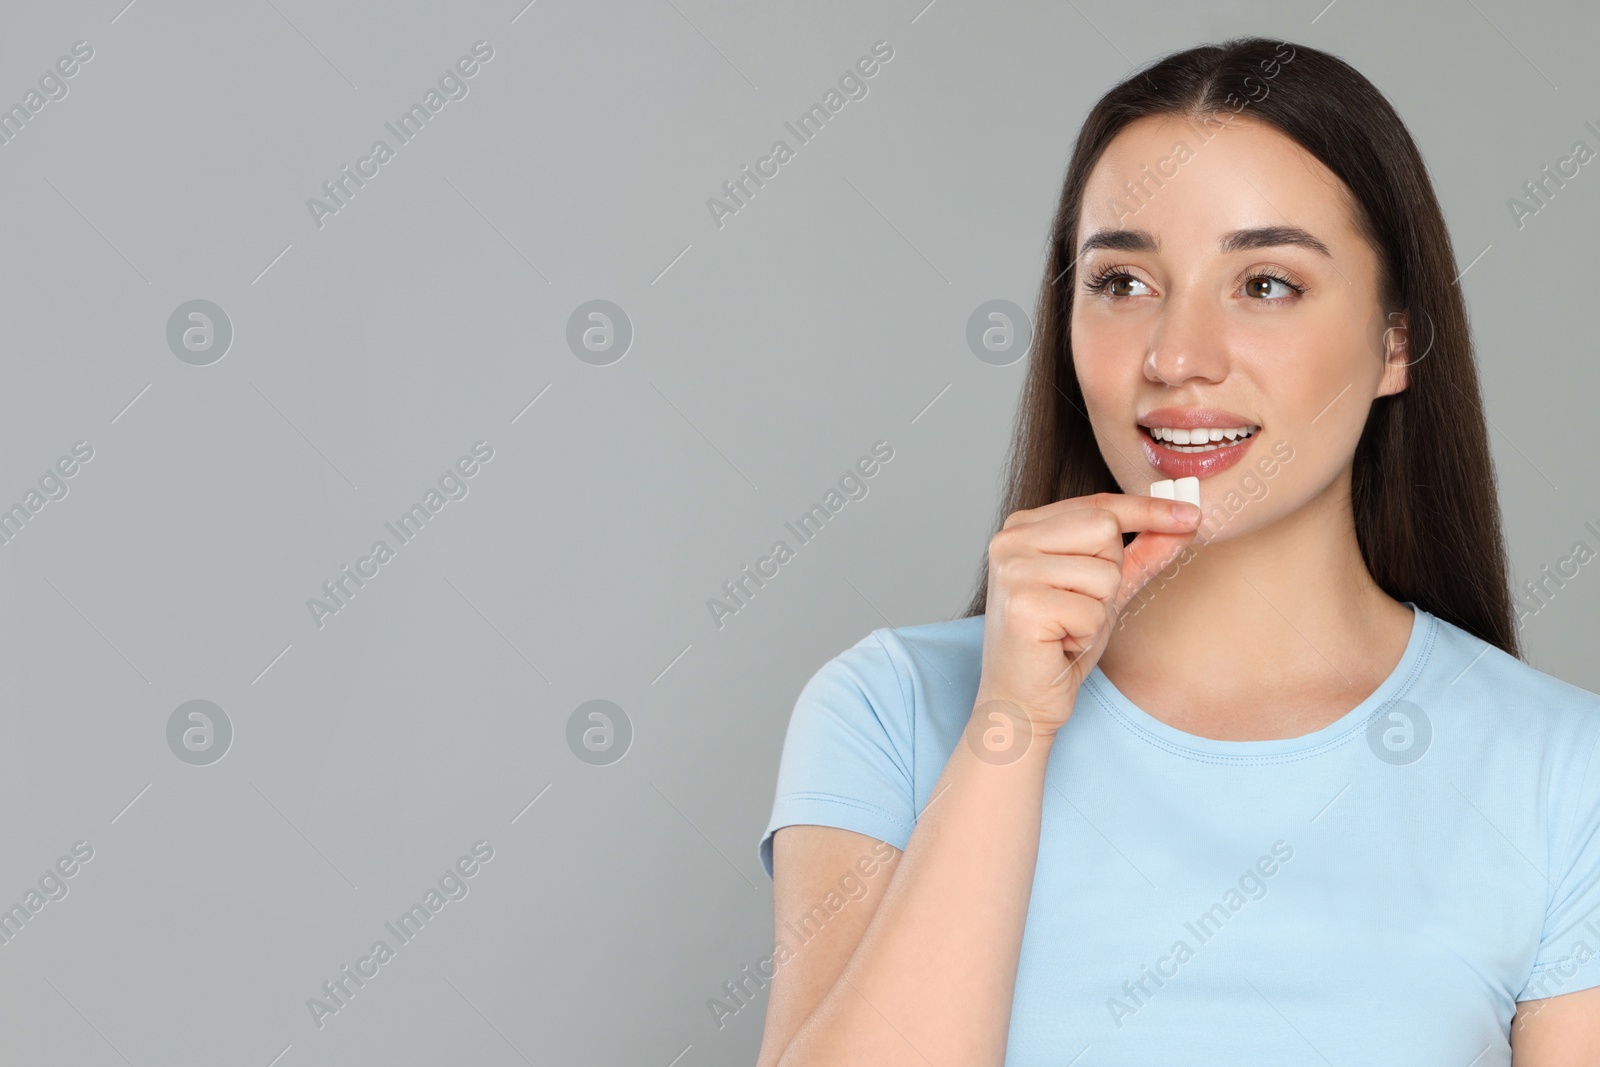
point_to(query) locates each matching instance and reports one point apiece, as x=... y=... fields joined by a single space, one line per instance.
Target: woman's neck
x=1264 y=632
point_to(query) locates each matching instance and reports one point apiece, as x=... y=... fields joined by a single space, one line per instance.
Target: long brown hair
x=1427 y=518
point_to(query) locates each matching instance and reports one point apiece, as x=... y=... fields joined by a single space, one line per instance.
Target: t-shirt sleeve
x=846 y=758
x=1569 y=949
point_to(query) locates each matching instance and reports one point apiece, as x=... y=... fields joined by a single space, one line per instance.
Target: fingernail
x=1184 y=511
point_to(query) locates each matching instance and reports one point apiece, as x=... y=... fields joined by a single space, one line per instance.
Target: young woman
x=1262 y=782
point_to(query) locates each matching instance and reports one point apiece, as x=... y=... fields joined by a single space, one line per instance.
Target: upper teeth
x=1200 y=435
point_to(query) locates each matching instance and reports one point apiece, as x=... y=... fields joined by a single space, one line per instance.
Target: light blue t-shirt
x=1381 y=891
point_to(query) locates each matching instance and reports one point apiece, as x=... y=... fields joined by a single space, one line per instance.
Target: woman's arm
x=932 y=976
x=935 y=968
x=1559 y=1031
x=808 y=863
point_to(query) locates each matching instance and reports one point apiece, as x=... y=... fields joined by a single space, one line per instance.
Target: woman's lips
x=1174 y=464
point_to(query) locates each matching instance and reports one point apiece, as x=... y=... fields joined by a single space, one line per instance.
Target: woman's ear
x=1397 y=354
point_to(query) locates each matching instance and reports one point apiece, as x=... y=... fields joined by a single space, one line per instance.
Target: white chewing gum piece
x=1162 y=489
x=1187 y=489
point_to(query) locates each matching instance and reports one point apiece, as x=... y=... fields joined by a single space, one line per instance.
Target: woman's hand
x=1059 y=576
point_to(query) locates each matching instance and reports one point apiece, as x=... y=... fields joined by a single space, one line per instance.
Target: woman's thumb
x=1147 y=555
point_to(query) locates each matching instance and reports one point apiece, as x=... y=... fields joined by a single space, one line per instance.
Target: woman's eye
x=1111 y=284
x=1108 y=283
x=1261 y=286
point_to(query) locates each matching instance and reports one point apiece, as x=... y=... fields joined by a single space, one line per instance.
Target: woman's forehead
x=1162 y=178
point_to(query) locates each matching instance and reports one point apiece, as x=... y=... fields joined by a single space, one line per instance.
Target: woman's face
x=1199 y=325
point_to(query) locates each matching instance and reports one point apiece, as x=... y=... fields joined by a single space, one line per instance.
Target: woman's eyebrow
x=1234 y=241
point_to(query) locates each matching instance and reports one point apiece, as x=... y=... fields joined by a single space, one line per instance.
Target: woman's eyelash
x=1275 y=276
x=1099 y=282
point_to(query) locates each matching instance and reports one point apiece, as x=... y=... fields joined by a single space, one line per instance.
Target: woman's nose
x=1187 y=344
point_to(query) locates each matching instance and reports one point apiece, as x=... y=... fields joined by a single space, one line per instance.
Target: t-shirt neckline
x=1147 y=727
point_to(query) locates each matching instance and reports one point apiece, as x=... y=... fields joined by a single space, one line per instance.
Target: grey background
x=429 y=313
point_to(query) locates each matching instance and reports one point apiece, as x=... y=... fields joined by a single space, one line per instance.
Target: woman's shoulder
x=931 y=669
x=948 y=650
x=1469 y=672
x=949 y=640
